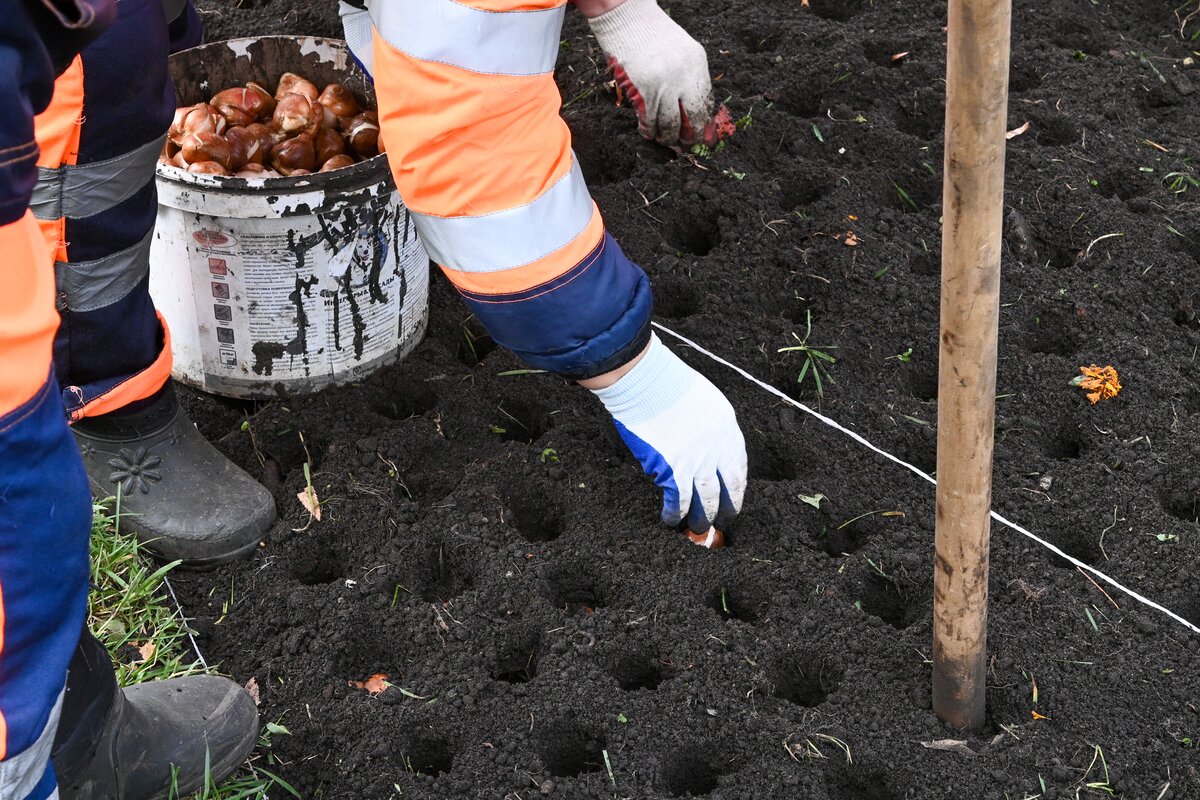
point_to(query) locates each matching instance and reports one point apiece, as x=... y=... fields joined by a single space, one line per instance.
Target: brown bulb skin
x=339 y=100
x=362 y=134
x=208 y=168
x=246 y=146
x=328 y=143
x=200 y=118
x=337 y=162
x=290 y=82
x=294 y=154
x=205 y=146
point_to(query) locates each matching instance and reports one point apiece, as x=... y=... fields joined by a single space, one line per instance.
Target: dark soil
x=516 y=587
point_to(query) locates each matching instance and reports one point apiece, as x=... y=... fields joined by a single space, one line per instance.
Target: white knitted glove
x=685 y=434
x=661 y=69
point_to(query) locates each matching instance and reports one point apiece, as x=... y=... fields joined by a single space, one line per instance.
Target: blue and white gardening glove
x=685 y=434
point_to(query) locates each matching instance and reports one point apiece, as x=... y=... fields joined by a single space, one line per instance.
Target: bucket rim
x=367 y=168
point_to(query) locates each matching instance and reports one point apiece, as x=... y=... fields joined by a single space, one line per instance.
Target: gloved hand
x=685 y=434
x=661 y=69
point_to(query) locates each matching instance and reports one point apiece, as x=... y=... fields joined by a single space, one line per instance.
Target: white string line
x=916 y=471
x=183 y=619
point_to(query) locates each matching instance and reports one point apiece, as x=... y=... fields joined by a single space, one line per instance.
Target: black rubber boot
x=182 y=498
x=159 y=739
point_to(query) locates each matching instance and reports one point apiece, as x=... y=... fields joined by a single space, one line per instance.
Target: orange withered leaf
x=1101 y=383
x=376 y=684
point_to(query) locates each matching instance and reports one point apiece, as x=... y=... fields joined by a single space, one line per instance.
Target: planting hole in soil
x=687 y=772
x=806 y=682
x=696 y=234
x=1063 y=447
x=923 y=383
x=739 y=603
x=640 y=669
x=842 y=541
x=426 y=756
x=852 y=782
x=1078 y=543
x=314 y=563
x=404 y=402
x=521 y=421
x=442 y=579
x=572 y=589
x=533 y=516
x=883 y=598
x=517 y=657
x=1182 y=505
x=474 y=343
x=567 y=750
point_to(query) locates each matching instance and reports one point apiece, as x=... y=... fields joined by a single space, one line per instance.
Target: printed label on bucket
x=300 y=302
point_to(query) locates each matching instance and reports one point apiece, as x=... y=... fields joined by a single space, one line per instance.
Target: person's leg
x=45 y=518
x=96 y=202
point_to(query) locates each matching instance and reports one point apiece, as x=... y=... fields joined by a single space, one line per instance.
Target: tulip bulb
x=328 y=143
x=296 y=113
x=259 y=101
x=200 y=118
x=290 y=82
x=337 y=162
x=294 y=154
x=339 y=100
x=205 y=146
x=247 y=147
x=363 y=134
x=208 y=168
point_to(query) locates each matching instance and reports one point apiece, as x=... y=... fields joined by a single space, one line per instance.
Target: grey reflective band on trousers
x=488 y=42
x=19 y=774
x=89 y=285
x=78 y=191
x=513 y=237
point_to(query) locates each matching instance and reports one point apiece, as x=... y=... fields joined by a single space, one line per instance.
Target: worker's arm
x=470 y=114
x=659 y=67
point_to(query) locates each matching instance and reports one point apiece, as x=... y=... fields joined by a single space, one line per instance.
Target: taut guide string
x=916 y=471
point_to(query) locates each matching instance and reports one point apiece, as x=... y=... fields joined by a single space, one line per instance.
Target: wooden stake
x=973 y=203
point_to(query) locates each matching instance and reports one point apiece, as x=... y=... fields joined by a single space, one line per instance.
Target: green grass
x=131 y=613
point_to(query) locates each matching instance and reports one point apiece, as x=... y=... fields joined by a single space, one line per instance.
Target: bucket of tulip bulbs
x=284 y=259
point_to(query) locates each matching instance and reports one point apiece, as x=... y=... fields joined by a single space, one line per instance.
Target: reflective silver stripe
x=19 y=774
x=490 y=42
x=76 y=191
x=89 y=285
x=513 y=237
x=356 y=30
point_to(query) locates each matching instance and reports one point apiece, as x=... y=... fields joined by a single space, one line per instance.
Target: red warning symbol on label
x=217 y=266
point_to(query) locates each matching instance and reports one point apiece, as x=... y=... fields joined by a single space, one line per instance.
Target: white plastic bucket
x=283 y=286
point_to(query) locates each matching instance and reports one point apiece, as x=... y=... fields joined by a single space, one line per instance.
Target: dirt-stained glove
x=685 y=434
x=661 y=69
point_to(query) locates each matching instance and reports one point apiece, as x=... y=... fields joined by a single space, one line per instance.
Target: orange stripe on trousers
x=57 y=131
x=137 y=387
x=28 y=320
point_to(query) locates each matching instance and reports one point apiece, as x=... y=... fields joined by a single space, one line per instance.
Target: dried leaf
x=950 y=746
x=1015 y=132
x=146 y=652
x=251 y=688
x=376 y=684
x=898 y=56
x=851 y=240
x=312 y=504
x=1101 y=383
x=1036 y=715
